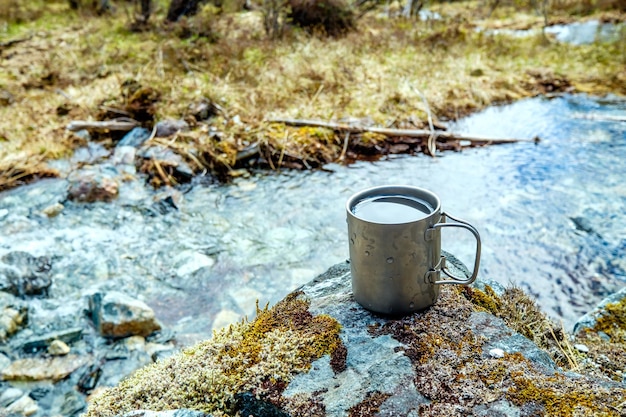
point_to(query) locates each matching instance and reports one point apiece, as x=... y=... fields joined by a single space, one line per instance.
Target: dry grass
x=70 y=64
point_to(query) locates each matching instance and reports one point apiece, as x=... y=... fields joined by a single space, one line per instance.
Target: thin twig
x=123 y=125
x=345 y=146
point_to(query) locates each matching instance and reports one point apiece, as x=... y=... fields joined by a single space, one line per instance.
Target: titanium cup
x=395 y=248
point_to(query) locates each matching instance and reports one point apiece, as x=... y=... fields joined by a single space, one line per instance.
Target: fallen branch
x=414 y=133
x=12 y=42
x=123 y=125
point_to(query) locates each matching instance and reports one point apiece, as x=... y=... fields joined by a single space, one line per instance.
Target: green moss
x=486 y=300
x=249 y=356
x=449 y=363
x=523 y=315
x=564 y=398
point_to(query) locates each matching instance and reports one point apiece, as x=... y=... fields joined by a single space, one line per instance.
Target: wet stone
x=188 y=262
x=42 y=369
x=58 y=348
x=53 y=210
x=45 y=341
x=170 y=127
x=93 y=184
x=4 y=361
x=9 y=396
x=23 y=274
x=124 y=155
x=13 y=315
x=71 y=404
x=135 y=138
x=24 y=406
x=118 y=315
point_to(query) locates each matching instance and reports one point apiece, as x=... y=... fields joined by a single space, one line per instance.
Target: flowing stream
x=551 y=216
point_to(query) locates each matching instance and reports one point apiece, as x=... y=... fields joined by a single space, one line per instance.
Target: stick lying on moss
x=415 y=133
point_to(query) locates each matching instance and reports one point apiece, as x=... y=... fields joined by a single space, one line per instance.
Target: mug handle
x=441 y=266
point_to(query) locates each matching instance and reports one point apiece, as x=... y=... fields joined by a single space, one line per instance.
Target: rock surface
x=41 y=369
x=93 y=184
x=589 y=320
x=13 y=315
x=118 y=315
x=438 y=362
x=24 y=274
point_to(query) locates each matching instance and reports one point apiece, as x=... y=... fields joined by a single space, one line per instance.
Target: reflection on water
x=586 y=32
x=551 y=217
x=528 y=201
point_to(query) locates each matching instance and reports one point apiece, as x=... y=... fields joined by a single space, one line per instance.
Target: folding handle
x=441 y=266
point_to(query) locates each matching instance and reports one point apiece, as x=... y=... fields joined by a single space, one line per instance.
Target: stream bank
x=200 y=257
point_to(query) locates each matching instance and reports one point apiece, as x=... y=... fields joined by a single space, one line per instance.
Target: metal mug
x=396 y=264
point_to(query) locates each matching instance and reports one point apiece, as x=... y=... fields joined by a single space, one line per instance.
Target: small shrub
x=330 y=17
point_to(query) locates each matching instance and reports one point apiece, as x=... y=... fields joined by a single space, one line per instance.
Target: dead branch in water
x=123 y=125
x=414 y=133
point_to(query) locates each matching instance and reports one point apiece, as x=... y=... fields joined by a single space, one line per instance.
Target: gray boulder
x=118 y=315
x=319 y=353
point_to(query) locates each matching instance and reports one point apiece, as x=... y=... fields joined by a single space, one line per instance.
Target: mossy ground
x=453 y=372
x=259 y=356
x=607 y=343
x=70 y=65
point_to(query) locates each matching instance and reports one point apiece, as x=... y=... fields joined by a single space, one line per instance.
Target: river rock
x=91 y=184
x=42 y=369
x=135 y=138
x=13 y=315
x=319 y=353
x=58 y=348
x=166 y=128
x=44 y=341
x=187 y=262
x=24 y=406
x=118 y=315
x=9 y=396
x=23 y=274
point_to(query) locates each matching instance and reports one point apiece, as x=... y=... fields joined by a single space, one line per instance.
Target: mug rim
x=391 y=189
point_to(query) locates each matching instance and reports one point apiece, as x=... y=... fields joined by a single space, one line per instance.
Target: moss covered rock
x=319 y=353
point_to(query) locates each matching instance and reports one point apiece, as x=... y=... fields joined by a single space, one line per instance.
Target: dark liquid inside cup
x=391 y=209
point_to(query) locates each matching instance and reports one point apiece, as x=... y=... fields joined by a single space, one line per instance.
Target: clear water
x=578 y=33
x=391 y=209
x=551 y=216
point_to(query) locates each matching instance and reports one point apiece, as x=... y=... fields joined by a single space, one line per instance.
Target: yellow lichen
x=613 y=321
x=279 y=343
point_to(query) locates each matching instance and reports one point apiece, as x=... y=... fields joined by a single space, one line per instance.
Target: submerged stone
x=135 y=138
x=41 y=369
x=93 y=184
x=13 y=315
x=118 y=315
x=23 y=274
